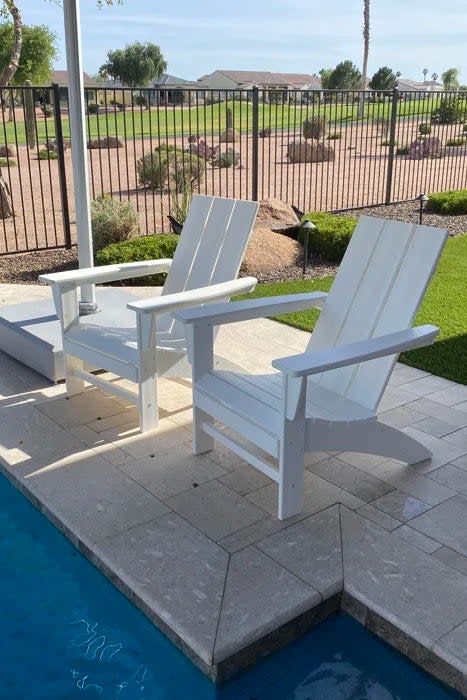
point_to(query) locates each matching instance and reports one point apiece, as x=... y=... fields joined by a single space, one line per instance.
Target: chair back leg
x=74 y=384
x=202 y=442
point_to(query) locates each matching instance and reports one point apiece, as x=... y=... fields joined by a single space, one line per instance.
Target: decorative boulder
x=229 y=136
x=106 y=142
x=310 y=152
x=52 y=145
x=269 y=254
x=6 y=151
x=276 y=215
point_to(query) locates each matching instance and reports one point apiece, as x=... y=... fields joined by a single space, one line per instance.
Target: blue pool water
x=66 y=633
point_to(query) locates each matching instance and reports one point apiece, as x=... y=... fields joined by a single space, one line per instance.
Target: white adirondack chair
x=326 y=398
x=204 y=269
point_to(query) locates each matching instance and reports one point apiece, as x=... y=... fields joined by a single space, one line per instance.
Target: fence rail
x=313 y=149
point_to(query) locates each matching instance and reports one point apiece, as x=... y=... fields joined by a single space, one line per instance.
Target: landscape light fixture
x=422 y=198
x=306 y=227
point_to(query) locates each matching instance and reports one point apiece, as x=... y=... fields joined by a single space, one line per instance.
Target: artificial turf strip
x=445 y=306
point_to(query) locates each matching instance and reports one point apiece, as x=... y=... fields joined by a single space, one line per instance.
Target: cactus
x=228 y=118
x=29 y=115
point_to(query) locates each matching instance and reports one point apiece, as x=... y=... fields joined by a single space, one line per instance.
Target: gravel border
x=24 y=268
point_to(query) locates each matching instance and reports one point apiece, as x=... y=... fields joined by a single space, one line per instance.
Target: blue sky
x=278 y=35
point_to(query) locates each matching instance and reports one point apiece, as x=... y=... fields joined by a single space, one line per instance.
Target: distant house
x=230 y=80
x=406 y=85
x=169 y=89
x=61 y=78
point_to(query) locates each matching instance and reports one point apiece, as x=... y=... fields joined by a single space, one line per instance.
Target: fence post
x=61 y=165
x=392 y=145
x=255 y=145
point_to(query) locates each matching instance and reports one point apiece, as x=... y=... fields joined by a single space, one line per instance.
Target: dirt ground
x=357 y=177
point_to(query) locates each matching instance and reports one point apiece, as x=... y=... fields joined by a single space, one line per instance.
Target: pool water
x=66 y=632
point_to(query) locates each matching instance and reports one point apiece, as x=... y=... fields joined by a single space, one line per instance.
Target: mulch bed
x=25 y=268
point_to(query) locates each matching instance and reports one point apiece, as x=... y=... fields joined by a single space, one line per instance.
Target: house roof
x=61 y=78
x=165 y=81
x=418 y=85
x=265 y=78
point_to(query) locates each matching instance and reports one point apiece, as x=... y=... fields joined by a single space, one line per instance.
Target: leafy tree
x=345 y=76
x=450 y=79
x=37 y=53
x=136 y=65
x=384 y=79
x=434 y=77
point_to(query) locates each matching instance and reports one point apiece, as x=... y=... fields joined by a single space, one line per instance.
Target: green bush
x=403 y=151
x=93 y=108
x=336 y=135
x=449 y=202
x=227 y=159
x=424 y=129
x=169 y=167
x=330 y=238
x=154 y=247
x=314 y=128
x=112 y=221
x=45 y=154
x=457 y=142
x=47 y=110
x=449 y=111
x=7 y=162
x=140 y=100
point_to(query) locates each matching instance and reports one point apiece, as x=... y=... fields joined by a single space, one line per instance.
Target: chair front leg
x=148 y=409
x=292 y=447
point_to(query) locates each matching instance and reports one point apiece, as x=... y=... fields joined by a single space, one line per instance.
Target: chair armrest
x=218 y=314
x=317 y=361
x=191 y=297
x=106 y=273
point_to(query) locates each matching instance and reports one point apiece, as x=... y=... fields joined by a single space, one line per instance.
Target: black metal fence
x=316 y=150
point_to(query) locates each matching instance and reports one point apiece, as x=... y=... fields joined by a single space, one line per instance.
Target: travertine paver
x=446 y=523
x=222 y=571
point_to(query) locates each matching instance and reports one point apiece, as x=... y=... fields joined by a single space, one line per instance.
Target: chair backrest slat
x=211 y=247
x=377 y=290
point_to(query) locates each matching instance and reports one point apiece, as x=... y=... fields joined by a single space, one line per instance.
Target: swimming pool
x=66 y=632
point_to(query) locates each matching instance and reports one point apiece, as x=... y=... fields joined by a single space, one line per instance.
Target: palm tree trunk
x=8 y=72
x=366 y=49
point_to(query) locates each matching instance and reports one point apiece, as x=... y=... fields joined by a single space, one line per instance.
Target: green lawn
x=211 y=119
x=445 y=306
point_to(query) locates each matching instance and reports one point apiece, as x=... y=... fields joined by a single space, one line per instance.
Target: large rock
x=6 y=151
x=229 y=136
x=310 y=152
x=106 y=142
x=276 y=215
x=269 y=253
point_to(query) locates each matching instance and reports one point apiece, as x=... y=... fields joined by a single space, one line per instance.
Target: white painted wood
x=79 y=154
x=157 y=346
x=107 y=386
x=330 y=393
x=73 y=380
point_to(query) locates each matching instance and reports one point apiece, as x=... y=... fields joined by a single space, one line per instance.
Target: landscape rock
x=106 y=142
x=269 y=253
x=310 y=152
x=6 y=151
x=276 y=215
x=229 y=136
x=52 y=145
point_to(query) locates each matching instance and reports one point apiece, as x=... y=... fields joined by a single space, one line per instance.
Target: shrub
x=45 y=154
x=456 y=142
x=330 y=238
x=264 y=133
x=464 y=128
x=47 y=110
x=154 y=247
x=424 y=129
x=93 y=108
x=382 y=125
x=140 y=100
x=402 y=150
x=7 y=162
x=449 y=111
x=386 y=142
x=199 y=147
x=170 y=167
x=449 y=202
x=335 y=136
x=227 y=159
x=314 y=128
x=112 y=221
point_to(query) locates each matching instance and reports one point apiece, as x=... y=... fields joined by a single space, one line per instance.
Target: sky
x=299 y=36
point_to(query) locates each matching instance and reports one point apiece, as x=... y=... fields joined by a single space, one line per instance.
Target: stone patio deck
x=195 y=543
